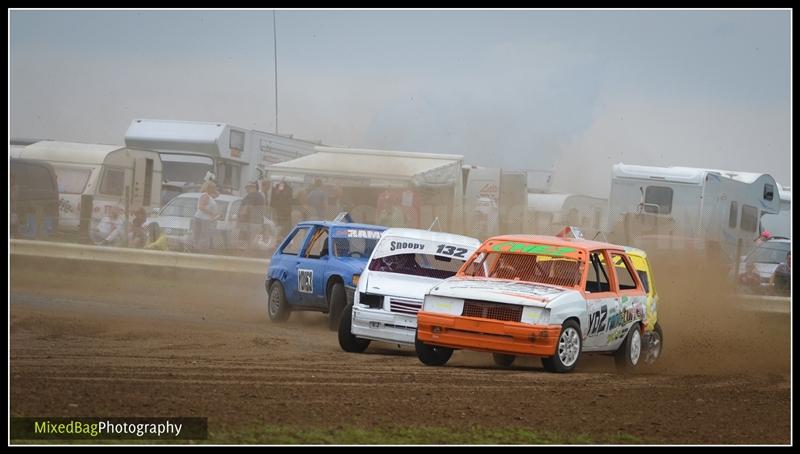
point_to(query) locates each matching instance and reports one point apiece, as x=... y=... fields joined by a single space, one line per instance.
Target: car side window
x=597 y=281
x=624 y=273
x=318 y=247
x=296 y=242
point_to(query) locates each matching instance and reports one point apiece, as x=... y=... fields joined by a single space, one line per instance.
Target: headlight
x=355 y=279
x=535 y=315
x=443 y=305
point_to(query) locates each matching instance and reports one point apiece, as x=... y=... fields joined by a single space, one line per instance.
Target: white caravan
x=113 y=175
x=404 y=265
x=235 y=155
x=683 y=203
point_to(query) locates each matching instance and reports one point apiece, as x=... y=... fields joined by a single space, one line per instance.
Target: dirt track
x=210 y=351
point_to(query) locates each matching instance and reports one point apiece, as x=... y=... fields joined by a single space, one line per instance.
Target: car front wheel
x=347 y=340
x=336 y=304
x=568 y=350
x=432 y=355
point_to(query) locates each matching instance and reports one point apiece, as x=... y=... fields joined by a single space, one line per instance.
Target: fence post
x=85 y=220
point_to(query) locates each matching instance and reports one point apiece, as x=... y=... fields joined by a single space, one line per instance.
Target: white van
x=111 y=174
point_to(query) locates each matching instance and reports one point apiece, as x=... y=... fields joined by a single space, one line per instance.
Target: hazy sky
x=573 y=92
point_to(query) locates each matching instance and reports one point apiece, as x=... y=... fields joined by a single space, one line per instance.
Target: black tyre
x=337 y=300
x=432 y=355
x=568 y=350
x=654 y=344
x=347 y=340
x=629 y=355
x=503 y=360
x=277 y=307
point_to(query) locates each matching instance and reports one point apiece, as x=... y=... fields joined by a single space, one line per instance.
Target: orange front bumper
x=487 y=335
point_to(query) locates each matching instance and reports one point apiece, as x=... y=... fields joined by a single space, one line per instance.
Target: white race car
x=404 y=265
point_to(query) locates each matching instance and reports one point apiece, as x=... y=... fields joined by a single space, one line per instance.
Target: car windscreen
x=542 y=269
x=70 y=180
x=425 y=265
x=185 y=207
x=770 y=252
x=352 y=242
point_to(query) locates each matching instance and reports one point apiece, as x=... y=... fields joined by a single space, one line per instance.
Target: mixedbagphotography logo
x=109 y=428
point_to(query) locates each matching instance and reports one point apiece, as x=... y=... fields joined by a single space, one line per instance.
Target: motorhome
x=684 y=205
x=549 y=213
x=112 y=175
x=191 y=149
x=780 y=224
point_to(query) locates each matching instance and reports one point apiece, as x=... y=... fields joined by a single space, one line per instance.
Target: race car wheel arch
x=347 y=340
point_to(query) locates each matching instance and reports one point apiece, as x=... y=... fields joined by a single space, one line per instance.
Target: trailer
x=692 y=206
x=191 y=149
x=109 y=175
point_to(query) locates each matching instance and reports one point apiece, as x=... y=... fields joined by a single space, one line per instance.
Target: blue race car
x=316 y=268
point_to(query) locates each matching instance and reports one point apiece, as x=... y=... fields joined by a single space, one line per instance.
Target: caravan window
x=658 y=200
x=236 y=143
x=749 y=218
x=769 y=192
x=733 y=215
x=72 y=181
x=113 y=182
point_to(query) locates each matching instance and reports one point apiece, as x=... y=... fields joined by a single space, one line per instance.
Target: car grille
x=404 y=306
x=494 y=311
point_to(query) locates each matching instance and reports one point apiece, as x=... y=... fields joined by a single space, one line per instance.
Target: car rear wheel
x=347 y=340
x=654 y=343
x=432 y=355
x=629 y=354
x=277 y=307
x=503 y=360
x=568 y=350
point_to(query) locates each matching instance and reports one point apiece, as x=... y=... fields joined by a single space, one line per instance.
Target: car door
x=632 y=300
x=311 y=266
x=602 y=300
x=287 y=262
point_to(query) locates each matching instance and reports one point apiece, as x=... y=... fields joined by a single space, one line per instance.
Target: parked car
x=34 y=199
x=317 y=268
x=548 y=297
x=404 y=265
x=757 y=268
x=176 y=221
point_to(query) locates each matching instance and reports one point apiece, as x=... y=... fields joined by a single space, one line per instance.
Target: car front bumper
x=378 y=324
x=487 y=335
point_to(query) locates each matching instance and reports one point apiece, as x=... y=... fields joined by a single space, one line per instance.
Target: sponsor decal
x=446 y=249
x=305 y=280
x=597 y=321
x=527 y=248
x=362 y=233
x=395 y=245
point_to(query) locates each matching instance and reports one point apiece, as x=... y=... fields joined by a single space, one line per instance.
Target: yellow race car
x=653 y=339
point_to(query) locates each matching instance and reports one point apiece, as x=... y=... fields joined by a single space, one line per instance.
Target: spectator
x=111 y=229
x=206 y=216
x=782 y=277
x=138 y=236
x=281 y=203
x=750 y=279
x=318 y=199
x=251 y=213
x=156 y=239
